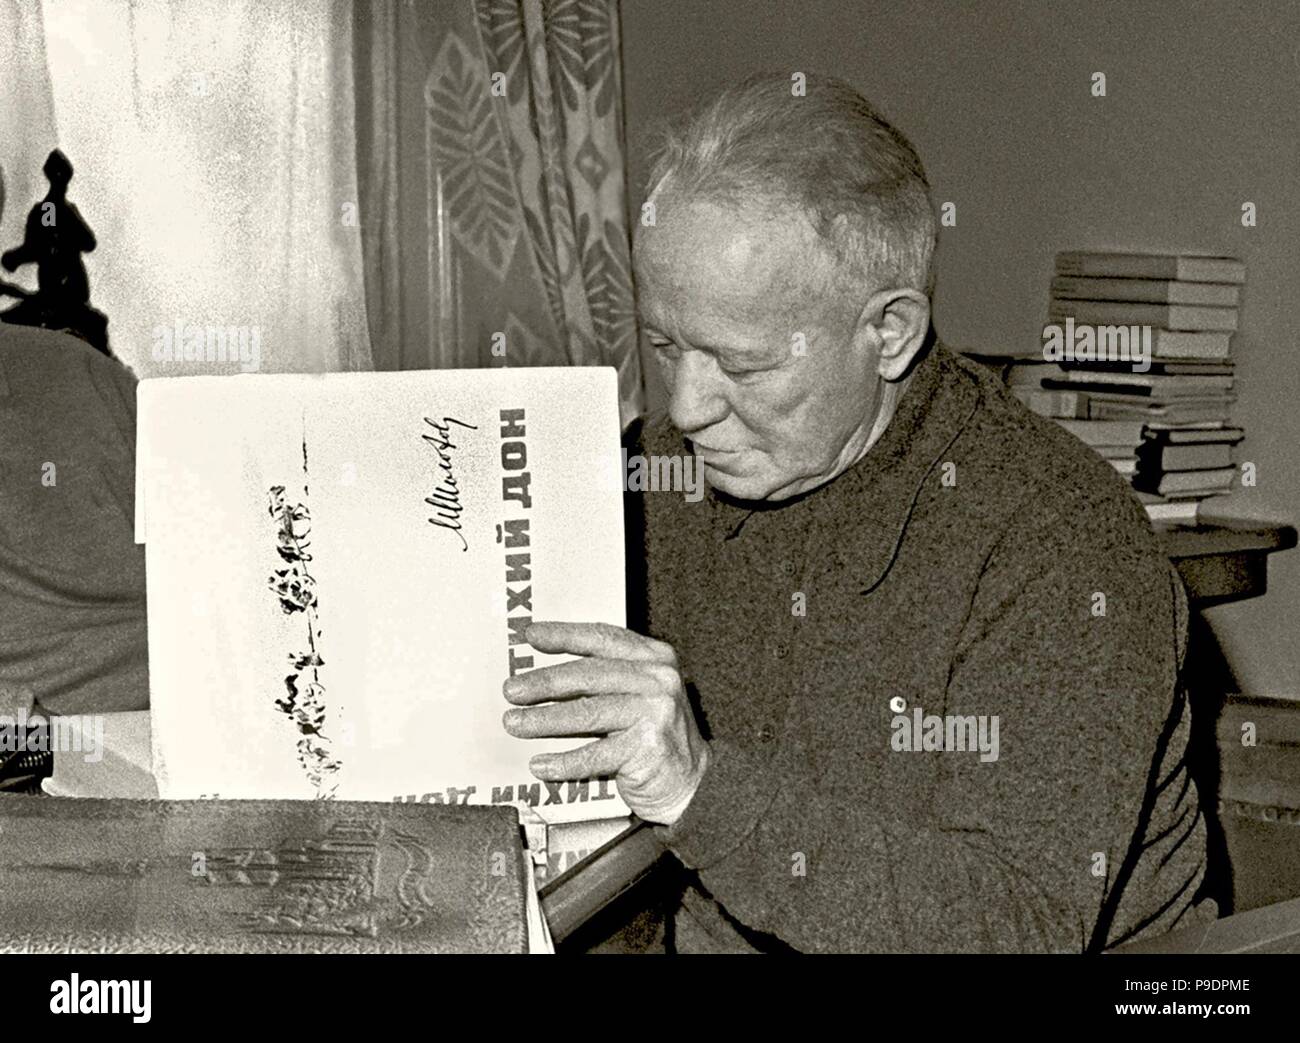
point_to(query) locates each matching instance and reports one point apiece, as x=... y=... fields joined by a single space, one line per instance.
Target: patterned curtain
x=492 y=186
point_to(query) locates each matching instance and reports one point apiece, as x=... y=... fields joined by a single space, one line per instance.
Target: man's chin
x=726 y=482
x=737 y=486
x=756 y=488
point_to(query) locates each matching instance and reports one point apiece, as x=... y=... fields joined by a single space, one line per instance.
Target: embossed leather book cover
x=83 y=875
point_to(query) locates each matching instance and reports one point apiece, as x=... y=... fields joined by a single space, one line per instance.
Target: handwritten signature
x=446 y=494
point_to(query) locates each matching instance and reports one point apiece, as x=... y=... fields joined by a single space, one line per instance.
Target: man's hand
x=626 y=688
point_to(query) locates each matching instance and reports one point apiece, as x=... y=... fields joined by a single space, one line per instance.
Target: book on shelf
x=1166 y=346
x=1106 y=432
x=1157 y=412
x=1202 y=457
x=1149 y=291
x=1154 y=403
x=1159 y=367
x=1181 y=484
x=1167 y=378
x=1162 y=506
x=1115 y=452
x=1190 y=344
x=1155 y=385
x=1191 y=317
x=1182 y=267
x=1179 y=512
x=1194 y=434
x=1064 y=405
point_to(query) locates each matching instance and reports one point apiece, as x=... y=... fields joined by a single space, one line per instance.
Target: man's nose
x=696 y=396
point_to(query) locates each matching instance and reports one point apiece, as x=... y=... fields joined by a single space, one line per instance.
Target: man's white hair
x=826 y=152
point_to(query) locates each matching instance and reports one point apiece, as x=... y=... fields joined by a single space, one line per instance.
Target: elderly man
x=913 y=679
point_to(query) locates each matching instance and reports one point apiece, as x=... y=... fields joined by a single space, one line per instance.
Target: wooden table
x=1225 y=561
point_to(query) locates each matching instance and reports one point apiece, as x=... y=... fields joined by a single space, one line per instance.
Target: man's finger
x=576 y=678
x=594 y=715
x=603 y=757
x=597 y=639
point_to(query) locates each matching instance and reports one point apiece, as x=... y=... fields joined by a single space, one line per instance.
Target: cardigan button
x=780 y=651
x=766 y=733
x=788 y=568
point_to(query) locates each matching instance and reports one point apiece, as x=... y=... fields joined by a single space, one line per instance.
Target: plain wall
x=1201 y=114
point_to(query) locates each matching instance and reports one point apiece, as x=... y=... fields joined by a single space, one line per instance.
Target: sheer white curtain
x=26 y=122
x=214 y=153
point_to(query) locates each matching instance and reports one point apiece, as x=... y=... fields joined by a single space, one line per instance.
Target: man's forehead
x=725 y=258
x=744 y=240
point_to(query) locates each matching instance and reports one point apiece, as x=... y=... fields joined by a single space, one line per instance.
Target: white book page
x=385 y=493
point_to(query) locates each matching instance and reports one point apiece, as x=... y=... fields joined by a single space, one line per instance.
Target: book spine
x=1149 y=291
x=1176 y=316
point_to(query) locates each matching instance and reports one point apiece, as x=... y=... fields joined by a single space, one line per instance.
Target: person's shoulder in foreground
x=1009 y=576
x=72 y=586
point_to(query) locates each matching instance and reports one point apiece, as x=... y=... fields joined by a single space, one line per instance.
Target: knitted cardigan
x=851 y=653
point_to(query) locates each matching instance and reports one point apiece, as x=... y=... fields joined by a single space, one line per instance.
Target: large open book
x=341 y=569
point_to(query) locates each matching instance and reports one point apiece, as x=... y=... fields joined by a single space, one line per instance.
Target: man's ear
x=895 y=324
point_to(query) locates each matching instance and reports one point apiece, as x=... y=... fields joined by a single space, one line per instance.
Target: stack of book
x=1136 y=362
